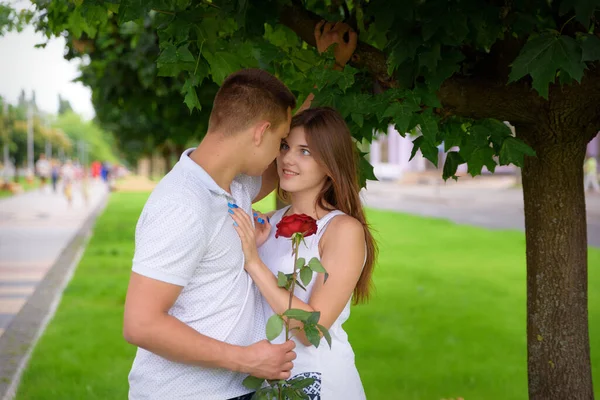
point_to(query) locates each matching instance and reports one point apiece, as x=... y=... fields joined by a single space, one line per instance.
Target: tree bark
x=557 y=301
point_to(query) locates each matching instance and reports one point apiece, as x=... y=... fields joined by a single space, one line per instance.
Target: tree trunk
x=167 y=154
x=557 y=300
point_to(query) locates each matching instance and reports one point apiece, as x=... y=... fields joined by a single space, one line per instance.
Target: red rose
x=296 y=223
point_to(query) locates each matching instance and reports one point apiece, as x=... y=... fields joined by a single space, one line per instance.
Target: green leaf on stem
x=297 y=314
x=252 y=382
x=325 y=333
x=306 y=275
x=316 y=266
x=282 y=279
x=312 y=334
x=274 y=326
x=300 y=382
x=314 y=318
x=300 y=263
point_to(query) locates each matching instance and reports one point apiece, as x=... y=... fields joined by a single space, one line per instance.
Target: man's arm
x=170 y=241
x=148 y=325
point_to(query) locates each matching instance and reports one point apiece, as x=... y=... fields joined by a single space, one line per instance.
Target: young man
x=191 y=308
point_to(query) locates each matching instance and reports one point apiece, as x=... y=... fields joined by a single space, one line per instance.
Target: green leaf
x=170 y=55
x=130 y=10
x=282 y=279
x=479 y=157
x=452 y=135
x=184 y=54
x=274 y=326
x=221 y=64
x=325 y=333
x=591 y=48
x=301 y=382
x=429 y=58
x=584 y=9
x=427 y=95
x=316 y=266
x=365 y=172
x=300 y=262
x=299 y=315
x=447 y=66
x=306 y=275
x=429 y=127
x=312 y=334
x=314 y=318
x=428 y=150
x=77 y=23
x=358 y=119
x=543 y=55
x=513 y=151
x=402 y=51
x=402 y=114
x=252 y=382
x=191 y=97
x=497 y=131
x=453 y=160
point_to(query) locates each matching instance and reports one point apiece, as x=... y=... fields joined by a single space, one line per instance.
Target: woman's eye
x=283 y=146
x=305 y=152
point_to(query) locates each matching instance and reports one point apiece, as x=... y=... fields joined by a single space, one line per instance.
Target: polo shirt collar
x=200 y=174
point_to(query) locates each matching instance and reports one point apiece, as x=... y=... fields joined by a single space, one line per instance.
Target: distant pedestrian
x=68 y=176
x=55 y=174
x=43 y=170
x=590 y=171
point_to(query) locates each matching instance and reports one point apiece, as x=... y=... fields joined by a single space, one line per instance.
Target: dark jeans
x=244 y=397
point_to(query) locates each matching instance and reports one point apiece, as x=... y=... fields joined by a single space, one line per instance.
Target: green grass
x=447 y=318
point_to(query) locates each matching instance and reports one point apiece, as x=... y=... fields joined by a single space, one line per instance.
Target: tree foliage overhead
x=448 y=67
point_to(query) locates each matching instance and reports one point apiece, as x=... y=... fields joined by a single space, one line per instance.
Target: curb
x=19 y=339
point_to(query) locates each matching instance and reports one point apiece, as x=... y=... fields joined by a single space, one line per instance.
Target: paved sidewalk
x=40 y=237
x=35 y=227
x=492 y=203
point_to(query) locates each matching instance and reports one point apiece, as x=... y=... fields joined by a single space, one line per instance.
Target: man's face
x=268 y=150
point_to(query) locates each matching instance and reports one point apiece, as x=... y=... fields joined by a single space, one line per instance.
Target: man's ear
x=259 y=132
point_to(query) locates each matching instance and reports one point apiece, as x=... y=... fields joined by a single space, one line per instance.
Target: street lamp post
x=30 y=161
x=5 y=149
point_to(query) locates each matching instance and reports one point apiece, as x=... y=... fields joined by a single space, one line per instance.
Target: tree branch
x=479 y=98
x=303 y=22
x=484 y=95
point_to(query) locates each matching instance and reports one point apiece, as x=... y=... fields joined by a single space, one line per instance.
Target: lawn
x=447 y=318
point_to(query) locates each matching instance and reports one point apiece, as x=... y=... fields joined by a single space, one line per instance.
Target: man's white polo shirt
x=186 y=237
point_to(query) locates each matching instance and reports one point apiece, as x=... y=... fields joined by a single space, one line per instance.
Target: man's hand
x=333 y=33
x=269 y=361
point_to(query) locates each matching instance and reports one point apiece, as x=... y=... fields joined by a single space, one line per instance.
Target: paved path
x=492 y=204
x=35 y=228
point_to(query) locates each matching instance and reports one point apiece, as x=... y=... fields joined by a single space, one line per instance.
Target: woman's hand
x=262 y=227
x=333 y=33
x=248 y=235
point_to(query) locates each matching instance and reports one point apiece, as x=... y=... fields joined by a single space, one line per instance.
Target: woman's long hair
x=330 y=141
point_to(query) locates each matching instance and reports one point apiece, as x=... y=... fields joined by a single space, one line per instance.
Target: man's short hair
x=247 y=96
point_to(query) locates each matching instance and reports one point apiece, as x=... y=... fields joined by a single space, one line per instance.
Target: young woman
x=317 y=167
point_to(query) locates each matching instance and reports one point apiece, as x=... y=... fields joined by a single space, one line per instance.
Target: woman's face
x=297 y=168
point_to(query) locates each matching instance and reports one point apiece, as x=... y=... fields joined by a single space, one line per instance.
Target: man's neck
x=219 y=157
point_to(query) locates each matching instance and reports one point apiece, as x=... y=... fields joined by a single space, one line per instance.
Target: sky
x=22 y=66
